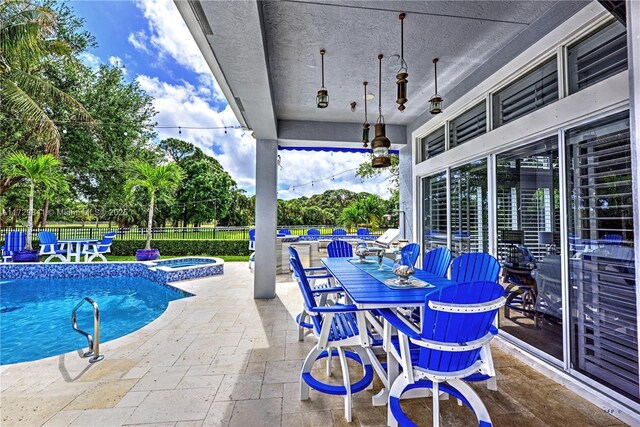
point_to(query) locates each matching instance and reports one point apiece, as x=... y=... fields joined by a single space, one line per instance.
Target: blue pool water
x=35 y=314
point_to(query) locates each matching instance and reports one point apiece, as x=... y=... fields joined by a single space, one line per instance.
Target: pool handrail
x=94 y=343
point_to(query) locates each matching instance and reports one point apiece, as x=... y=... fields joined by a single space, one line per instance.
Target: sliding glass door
x=604 y=336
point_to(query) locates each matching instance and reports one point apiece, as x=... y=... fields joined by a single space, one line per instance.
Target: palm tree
x=159 y=181
x=42 y=171
x=351 y=216
x=27 y=40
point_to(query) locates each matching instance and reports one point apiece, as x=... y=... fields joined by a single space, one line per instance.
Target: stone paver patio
x=221 y=358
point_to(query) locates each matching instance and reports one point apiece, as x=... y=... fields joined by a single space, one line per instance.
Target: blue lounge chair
x=313 y=232
x=337 y=327
x=457 y=326
x=49 y=246
x=611 y=240
x=437 y=261
x=339 y=232
x=339 y=248
x=284 y=232
x=362 y=232
x=13 y=241
x=97 y=250
x=411 y=252
x=322 y=290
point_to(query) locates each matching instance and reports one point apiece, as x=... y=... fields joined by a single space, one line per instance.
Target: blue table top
x=367 y=292
x=77 y=240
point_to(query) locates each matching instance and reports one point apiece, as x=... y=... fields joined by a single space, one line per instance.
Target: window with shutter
x=597 y=57
x=435 y=210
x=469 y=216
x=528 y=219
x=533 y=91
x=432 y=144
x=601 y=268
x=468 y=125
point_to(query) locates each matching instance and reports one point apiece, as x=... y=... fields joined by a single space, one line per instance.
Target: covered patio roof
x=265 y=56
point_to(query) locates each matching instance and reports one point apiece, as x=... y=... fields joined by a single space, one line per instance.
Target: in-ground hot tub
x=186 y=268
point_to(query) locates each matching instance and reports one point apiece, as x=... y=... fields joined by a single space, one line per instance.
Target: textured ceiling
x=463 y=35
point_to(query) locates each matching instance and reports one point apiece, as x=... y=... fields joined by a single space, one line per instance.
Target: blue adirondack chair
x=252 y=248
x=339 y=248
x=321 y=283
x=97 y=250
x=284 y=232
x=337 y=328
x=362 y=232
x=437 y=261
x=475 y=266
x=456 y=328
x=313 y=232
x=13 y=241
x=49 y=246
x=411 y=252
x=339 y=232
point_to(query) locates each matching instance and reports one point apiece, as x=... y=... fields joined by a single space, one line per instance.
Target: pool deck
x=221 y=358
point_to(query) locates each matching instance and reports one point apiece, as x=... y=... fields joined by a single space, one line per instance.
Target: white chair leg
x=346 y=380
x=329 y=356
x=101 y=256
x=396 y=390
x=474 y=400
x=301 y=329
x=306 y=368
x=436 y=405
x=492 y=384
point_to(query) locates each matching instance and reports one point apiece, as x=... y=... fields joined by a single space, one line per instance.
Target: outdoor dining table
x=78 y=247
x=364 y=286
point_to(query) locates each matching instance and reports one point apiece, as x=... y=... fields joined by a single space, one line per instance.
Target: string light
x=156 y=126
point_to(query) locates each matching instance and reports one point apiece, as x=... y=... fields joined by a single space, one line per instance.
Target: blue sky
x=149 y=39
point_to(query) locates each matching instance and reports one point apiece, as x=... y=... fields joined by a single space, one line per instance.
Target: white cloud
x=183 y=105
x=169 y=34
x=90 y=60
x=139 y=41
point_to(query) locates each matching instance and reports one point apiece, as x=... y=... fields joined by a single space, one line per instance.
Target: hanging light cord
x=322 y=57
x=380 y=117
x=403 y=64
x=365 y=101
x=435 y=72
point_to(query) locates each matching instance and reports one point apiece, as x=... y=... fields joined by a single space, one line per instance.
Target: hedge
x=183 y=247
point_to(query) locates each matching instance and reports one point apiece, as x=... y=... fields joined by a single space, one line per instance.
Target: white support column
x=264 y=281
x=633 y=47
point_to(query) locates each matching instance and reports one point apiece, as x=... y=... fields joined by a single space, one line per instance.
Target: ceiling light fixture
x=436 y=100
x=380 y=144
x=322 y=99
x=403 y=71
x=365 y=125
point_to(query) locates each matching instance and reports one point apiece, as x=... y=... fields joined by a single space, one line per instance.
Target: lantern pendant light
x=365 y=125
x=322 y=99
x=403 y=71
x=380 y=144
x=436 y=100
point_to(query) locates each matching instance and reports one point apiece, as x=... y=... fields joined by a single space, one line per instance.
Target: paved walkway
x=221 y=358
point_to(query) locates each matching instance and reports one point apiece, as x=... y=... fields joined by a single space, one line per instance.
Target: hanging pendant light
x=401 y=77
x=380 y=144
x=436 y=100
x=365 y=125
x=322 y=99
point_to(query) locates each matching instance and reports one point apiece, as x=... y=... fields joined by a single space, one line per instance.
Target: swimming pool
x=186 y=268
x=35 y=314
